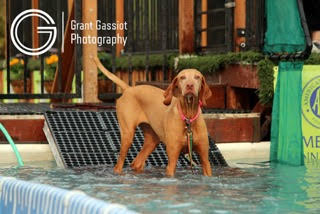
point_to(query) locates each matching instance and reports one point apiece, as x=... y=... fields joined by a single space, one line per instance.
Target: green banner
x=311 y=112
x=286 y=131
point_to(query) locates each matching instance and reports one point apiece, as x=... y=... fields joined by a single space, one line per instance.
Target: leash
x=189 y=132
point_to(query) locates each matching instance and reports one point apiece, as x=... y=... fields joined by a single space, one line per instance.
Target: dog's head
x=190 y=84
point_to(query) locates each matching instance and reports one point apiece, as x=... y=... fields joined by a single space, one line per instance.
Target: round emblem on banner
x=311 y=102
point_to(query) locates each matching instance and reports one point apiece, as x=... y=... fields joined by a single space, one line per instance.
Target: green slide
x=287 y=41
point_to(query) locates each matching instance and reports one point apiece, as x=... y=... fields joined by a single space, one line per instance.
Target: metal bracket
x=230 y=4
x=241 y=32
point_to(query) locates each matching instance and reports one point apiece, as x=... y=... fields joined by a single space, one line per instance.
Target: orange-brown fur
x=156 y=112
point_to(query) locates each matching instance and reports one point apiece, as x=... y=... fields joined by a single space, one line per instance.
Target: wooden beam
x=186 y=26
x=245 y=127
x=67 y=62
x=204 y=23
x=90 y=77
x=24 y=130
x=239 y=22
x=35 y=24
x=70 y=6
x=120 y=19
x=232 y=101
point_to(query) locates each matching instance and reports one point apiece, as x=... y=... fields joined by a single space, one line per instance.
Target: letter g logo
x=52 y=31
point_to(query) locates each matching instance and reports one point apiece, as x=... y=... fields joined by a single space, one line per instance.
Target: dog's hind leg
x=126 y=141
x=151 y=140
x=128 y=121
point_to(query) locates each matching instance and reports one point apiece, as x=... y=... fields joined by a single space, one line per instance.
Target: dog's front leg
x=173 y=152
x=202 y=149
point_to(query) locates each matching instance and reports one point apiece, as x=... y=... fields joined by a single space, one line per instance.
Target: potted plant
x=17 y=76
x=50 y=67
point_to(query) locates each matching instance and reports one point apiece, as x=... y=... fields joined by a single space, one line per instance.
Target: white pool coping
x=28 y=152
x=232 y=152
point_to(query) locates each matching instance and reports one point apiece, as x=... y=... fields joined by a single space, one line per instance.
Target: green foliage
x=16 y=74
x=105 y=59
x=50 y=71
x=314 y=59
x=33 y=64
x=266 y=78
x=138 y=62
x=16 y=69
x=205 y=64
x=2 y=64
x=212 y=63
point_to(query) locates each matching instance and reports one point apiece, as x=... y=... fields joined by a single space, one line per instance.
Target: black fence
x=153 y=25
x=219 y=27
x=107 y=14
x=55 y=9
x=152 y=29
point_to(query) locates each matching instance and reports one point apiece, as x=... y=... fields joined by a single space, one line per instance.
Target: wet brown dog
x=157 y=113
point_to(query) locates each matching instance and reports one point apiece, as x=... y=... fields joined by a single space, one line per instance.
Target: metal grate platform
x=86 y=138
x=41 y=108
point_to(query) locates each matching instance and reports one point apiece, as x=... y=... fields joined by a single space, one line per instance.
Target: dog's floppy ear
x=170 y=91
x=205 y=92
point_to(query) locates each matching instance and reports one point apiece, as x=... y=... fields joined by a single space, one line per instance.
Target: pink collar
x=187 y=120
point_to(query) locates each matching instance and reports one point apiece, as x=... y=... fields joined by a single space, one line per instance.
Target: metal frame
x=229 y=24
x=138 y=16
x=78 y=54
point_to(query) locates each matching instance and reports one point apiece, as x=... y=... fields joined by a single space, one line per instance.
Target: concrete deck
x=233 y=152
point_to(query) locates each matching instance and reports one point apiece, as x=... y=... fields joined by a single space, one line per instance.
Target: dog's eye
x=183 y=77
x=197 y=77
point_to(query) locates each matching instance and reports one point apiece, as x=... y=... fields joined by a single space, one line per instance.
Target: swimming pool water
x=261 y=188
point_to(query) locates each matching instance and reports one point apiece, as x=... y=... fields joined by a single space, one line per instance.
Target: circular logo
x=311 y=102
x=51 y=30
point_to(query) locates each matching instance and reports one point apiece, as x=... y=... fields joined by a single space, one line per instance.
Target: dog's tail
x=110 y=75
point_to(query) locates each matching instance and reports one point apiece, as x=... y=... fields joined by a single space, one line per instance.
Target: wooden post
x=204 y=23
x=120 y=19
x=90 y=77
x=70 y=5
x=35 y=24
x=186 y=26
x=67 y=63
x=239 y=22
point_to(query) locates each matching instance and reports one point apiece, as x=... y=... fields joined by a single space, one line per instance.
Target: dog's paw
x=117 y=170
x=137 y=166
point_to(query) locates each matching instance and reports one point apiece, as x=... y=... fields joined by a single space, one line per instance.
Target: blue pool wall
x=23 y=197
